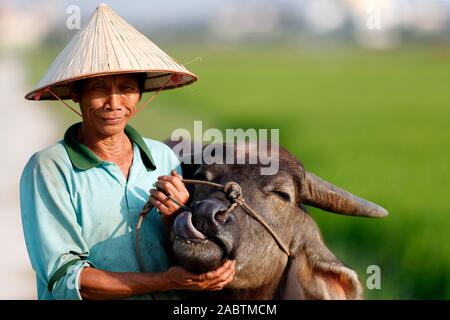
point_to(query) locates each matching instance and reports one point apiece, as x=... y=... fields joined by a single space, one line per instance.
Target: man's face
x=107 y=103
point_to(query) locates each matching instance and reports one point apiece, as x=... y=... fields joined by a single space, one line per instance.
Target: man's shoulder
x=156 y=146
x=161 y=152
x=54 y=156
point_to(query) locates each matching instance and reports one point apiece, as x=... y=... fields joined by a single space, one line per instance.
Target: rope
x=66 y=104
x=192 y=61
x=208 y=183
x=153 y=96
x=257 y=217
x=233 y=191
x=145 y=210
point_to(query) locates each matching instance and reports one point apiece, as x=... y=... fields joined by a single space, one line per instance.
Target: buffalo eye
x=282 y=186
x=283 y=195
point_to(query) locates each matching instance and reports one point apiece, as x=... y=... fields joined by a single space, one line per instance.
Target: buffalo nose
x=210 y=210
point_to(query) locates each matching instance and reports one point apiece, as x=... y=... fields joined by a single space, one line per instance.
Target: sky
x=238 y=19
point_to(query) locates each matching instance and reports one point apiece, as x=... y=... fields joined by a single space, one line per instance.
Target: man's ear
x=74 y=95
x=315 y=273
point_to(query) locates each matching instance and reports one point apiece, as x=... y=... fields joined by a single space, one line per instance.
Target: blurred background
x=359 y=90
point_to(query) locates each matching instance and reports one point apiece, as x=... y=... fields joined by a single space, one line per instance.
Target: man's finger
x=161 y=197
x=228 y=264
x=158 y=195
x=176 y=174
x=221 y=281
x=224 y=277
x=167 y=187
x=176 y=181
x=219 y=286
x=219 y=271
x=159 y=205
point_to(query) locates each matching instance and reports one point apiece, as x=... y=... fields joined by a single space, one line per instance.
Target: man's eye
x=128 y=87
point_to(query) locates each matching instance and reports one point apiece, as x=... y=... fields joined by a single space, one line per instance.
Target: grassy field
x=375 y=123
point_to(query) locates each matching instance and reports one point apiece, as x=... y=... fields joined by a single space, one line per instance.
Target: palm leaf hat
x=108 y=45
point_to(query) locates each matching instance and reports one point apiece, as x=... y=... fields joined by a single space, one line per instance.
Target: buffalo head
x=207 y=234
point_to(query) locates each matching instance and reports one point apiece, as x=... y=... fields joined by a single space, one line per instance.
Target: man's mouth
x=112 y=120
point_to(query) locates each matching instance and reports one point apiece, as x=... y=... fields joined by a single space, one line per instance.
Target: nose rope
x=233 y=191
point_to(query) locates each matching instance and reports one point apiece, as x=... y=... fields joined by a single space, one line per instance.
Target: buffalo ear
x=321 y=280
x=315 y=273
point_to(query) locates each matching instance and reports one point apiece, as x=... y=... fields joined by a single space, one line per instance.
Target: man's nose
x=113 y=102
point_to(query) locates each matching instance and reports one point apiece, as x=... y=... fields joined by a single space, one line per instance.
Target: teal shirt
x=78 y=211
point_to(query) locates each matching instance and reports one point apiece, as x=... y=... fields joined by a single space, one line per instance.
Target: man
x=81 y=197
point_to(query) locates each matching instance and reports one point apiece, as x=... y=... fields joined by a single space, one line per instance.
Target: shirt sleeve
x=53 y=237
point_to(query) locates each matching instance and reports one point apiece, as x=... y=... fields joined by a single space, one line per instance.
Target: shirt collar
x=83 y=158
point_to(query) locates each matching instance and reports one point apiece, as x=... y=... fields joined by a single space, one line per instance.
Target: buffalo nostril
x=220 y=216
x=211 y=211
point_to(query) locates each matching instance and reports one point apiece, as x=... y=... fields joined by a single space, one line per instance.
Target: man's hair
x=77 y=86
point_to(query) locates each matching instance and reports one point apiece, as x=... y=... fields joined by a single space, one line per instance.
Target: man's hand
x=180 y=278
x=102 y=284
x=172 y=186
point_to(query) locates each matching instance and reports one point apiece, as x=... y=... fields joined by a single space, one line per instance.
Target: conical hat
x=109 y=45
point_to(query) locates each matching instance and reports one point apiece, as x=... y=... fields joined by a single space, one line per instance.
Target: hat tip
x=102 y=5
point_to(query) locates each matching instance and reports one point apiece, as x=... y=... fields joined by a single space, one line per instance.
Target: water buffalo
x=206 y=235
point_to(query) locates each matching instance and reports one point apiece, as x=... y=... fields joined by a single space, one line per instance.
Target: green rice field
x=374 y=123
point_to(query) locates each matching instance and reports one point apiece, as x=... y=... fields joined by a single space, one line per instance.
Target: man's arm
x=99 y=284
x=57 y=249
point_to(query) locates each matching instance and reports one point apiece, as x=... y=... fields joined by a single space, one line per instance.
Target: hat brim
x=154 y=81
